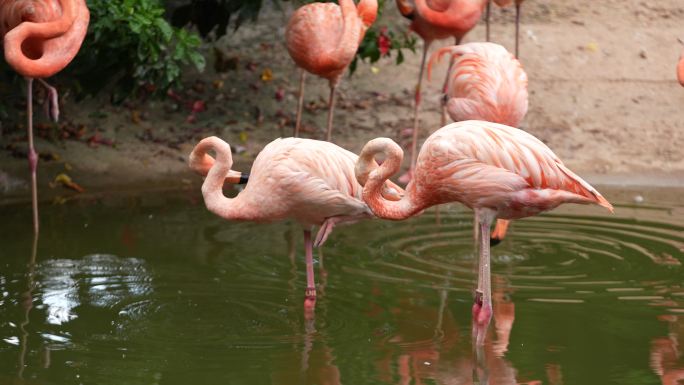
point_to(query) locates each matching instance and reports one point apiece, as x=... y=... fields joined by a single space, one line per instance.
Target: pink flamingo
x=322 y=38
x=485 y=83
x=310 y=181
x=496 y=170
x=40 y=38
x=506 y=3
x=439 y=19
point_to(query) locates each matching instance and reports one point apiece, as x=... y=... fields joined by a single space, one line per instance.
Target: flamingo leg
x=445 y=86
x=331 y=106
x=52 y=105
x=482 y=306
x=487 y=12
x=310 y=294
x=300 y=102
x=32 y=155
x=416 y=106
x=517 y=27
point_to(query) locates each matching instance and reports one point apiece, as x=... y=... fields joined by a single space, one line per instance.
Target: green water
x=156 y=290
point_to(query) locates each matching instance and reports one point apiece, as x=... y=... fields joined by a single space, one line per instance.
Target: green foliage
x=130 y=43
x=380 y=42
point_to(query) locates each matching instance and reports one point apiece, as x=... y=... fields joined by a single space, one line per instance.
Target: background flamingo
x=496 y=170
x=322 y=38
x=40 y=37
x=310 y=181
x=485 y=82
x=439 y=19
x=506 y=3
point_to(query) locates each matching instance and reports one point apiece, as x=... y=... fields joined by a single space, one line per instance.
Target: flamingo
x=307 y=180
x=322 y=38
x=485 y=83
x=496 y=170
x=438 y=20
x=40 y=38
x=506 y=3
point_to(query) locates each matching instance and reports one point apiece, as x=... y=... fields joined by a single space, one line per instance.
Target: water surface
x=153 y=289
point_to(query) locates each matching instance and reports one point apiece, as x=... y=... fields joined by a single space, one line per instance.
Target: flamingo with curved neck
x=40 y=38
x=496 y=170
x=434 y=20
x=322 y=38
x=309 y=181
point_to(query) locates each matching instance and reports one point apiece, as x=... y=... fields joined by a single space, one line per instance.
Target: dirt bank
x=603 y=96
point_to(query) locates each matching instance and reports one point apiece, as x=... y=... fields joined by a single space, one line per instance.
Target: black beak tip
x=494 y=241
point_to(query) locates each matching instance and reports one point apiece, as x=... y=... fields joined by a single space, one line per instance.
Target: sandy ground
x=603 y=96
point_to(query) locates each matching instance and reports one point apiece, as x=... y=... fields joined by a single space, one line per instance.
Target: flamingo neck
x=351 y=34
x=212 y=188
x=24 y=43
x=376 y=176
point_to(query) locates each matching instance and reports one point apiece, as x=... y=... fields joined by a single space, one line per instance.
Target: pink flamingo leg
x=52 y=102
x=300 y=102
x=482 y=306
x=32 y=155
x=310 y=294
x=331 y=106
x=489 y=9
x=414 y=140
x=517 y=27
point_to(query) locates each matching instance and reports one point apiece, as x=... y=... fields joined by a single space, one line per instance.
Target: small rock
x=638 y=199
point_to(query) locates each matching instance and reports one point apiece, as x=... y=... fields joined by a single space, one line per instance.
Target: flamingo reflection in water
x=437 y=355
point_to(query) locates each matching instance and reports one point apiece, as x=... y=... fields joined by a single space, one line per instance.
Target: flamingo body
x=483 y=165
x=486 y=83
x=322 y=38
x=41 y=37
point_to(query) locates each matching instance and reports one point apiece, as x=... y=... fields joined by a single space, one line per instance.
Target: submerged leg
x=300 y=102
x=517 y=27
x=416 y=107
x=482 y=306
x=32 y=155
x=331 y=106
x=310 y=294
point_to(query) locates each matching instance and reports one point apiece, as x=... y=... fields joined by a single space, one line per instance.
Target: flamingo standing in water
x=487 y=83
x=307 y=180
x=506 y=3
x=496 y=170
x=439 y=19
x=322 y=38
x=40 y=38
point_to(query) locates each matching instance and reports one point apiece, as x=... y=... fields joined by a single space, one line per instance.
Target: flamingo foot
x=407 y=177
